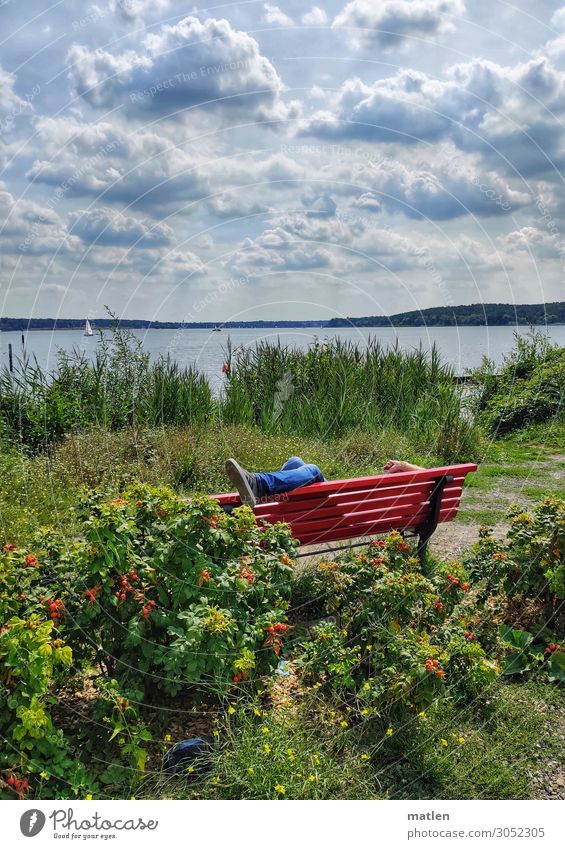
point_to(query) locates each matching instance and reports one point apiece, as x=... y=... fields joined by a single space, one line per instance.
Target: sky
x=256 y=160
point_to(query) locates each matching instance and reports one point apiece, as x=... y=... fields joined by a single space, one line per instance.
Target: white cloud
x=506 y=113
x=104 y=161
x=391 y=22
x=207 y=65
x=9 y=100
x=29 y=228
x=558 y=19
x=541 y=244
x=315 y=17
x=104 y=226
x=275 y=15
x=131 y=10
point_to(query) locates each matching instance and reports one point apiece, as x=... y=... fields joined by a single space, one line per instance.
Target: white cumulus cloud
x=391 y=22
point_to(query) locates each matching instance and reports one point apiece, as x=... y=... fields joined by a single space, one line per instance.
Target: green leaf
x=514 y=637
x=516 y=663
x=556 y=664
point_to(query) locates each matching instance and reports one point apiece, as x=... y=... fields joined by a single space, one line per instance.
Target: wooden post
x=10 y=357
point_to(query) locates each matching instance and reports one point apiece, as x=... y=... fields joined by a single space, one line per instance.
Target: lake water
x=461 y=347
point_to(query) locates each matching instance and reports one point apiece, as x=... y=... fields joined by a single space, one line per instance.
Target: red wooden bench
x=409 y=502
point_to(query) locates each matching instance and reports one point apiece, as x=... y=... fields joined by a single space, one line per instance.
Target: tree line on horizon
x=464 y=315
x=461 y=316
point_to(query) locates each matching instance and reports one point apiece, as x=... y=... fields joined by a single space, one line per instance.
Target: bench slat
x=401 y=514
x=365 y=529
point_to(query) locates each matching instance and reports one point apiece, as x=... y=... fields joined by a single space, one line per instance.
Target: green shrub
x=529 y=387
x=163 y=593
x=530 y=562
x=34 y=751
x=395 y=647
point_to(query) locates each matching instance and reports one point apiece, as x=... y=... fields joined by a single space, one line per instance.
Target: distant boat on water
x=88 y=331
x=216 y=329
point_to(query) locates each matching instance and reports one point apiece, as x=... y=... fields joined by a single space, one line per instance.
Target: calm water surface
x=463 y=347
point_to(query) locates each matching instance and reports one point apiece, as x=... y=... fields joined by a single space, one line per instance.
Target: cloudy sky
x=263 y=160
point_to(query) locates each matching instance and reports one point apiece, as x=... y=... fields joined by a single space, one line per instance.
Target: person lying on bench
x=292 y=475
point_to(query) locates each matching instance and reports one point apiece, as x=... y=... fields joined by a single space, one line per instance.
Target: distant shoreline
x=464 y=315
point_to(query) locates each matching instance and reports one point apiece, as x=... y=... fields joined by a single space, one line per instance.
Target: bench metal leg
x=426 y=530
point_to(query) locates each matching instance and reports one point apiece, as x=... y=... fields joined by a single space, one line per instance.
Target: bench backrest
x=360 y=507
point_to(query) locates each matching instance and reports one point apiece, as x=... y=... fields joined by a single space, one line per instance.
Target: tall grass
x=336 y=388
x=327 y=391
x=118 y=388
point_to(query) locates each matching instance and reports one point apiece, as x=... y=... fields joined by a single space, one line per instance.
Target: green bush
x=34 y=751
x=164 y=593
x=530 y=562
x=529 y=387
x=394 y=647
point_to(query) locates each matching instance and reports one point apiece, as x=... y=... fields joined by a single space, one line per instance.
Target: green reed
x=335 y=388
x=120 y=387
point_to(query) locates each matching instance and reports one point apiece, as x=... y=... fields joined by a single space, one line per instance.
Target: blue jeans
x=293 y=474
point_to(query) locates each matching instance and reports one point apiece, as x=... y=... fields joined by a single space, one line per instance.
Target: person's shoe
x=244 y=481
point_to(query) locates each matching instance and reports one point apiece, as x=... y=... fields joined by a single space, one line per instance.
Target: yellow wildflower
x=343 y=723
x=168 y=738
x=389 y=732
x=257 y=712
x=267 y=748
x=364 y=757
x=444 y=742
x=290 y=753
x=250 y=770
x=231 y=710
x=216 y=779
x=280 y=788
x=265 y=729
x=311 y=778
x=43 y=775
x=88 y=796
x=364 y=712
x=461 y=739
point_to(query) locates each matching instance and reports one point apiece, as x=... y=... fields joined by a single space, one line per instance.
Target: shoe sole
x=238 y=478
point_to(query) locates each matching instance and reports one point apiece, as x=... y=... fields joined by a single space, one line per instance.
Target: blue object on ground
x=282 y=668
x=187 y=753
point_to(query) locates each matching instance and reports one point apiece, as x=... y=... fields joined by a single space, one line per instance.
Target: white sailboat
x=88 y=331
